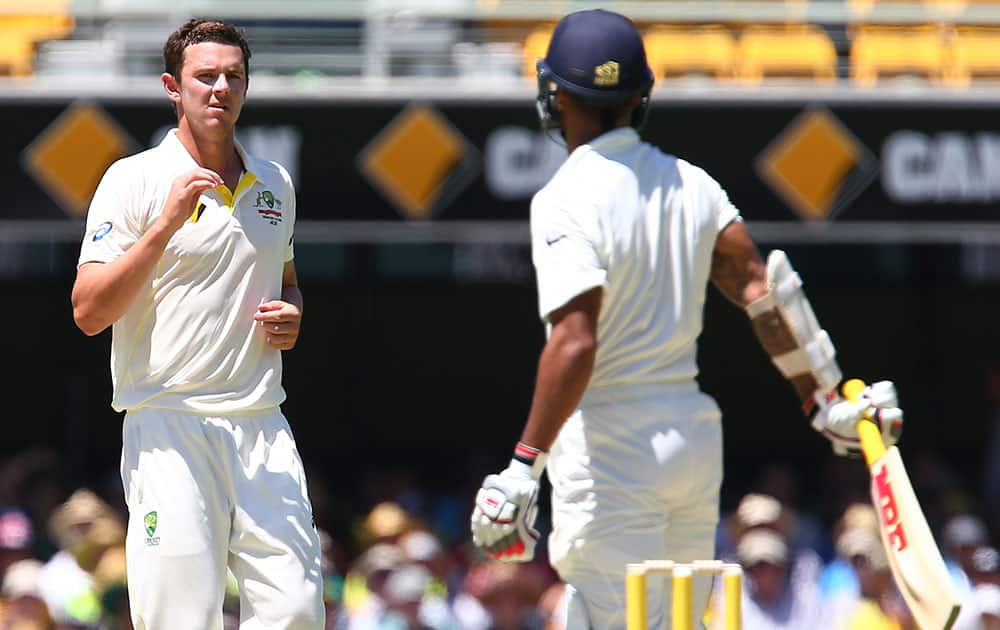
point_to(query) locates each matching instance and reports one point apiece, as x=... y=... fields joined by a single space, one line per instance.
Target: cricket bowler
x=188 y=255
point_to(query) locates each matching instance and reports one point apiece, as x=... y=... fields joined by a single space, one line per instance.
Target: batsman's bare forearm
x=738 y=271
x=564 y=369
x=104 y=291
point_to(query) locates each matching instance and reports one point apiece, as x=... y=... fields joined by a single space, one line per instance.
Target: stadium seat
x=17 y=56
x=536 y=44
x=22 y=26
x=794 y=51
x=887 y=51
x=680 y=51
x=974 y=54
x=36 y=27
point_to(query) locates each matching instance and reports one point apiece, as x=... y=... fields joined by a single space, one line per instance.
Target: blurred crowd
x=404 y=562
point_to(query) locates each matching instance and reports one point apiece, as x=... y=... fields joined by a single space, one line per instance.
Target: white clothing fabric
x=635 y=479
x=189 y=342
x=206 y=492
x=61 y=583
x=636 y=470
x=800 y=606
x=622 y=215
x=981 y=599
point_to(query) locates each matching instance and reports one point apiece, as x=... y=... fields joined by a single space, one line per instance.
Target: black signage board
x=897 y=162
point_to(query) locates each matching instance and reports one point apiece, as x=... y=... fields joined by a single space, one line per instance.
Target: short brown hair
x=198 y=32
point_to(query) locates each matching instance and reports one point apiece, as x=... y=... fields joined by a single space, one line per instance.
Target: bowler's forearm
x=293 y=295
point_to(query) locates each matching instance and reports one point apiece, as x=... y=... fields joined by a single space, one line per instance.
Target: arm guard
x=785 y=322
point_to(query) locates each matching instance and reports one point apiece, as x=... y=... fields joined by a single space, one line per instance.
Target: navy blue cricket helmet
x=597 y=55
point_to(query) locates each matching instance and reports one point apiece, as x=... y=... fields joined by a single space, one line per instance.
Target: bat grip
x=868 y=432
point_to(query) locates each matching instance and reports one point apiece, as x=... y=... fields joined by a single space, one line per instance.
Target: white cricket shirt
x=622 y=215
x=189 y=341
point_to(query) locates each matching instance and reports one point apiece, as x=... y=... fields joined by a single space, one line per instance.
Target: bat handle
x=868 y=432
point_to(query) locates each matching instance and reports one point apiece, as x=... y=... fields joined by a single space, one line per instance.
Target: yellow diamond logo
x=420 y=161
x=816 y=165
x=70 y=156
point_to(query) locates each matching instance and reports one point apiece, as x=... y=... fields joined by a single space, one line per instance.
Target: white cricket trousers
x=635 y=476
x=205 y=493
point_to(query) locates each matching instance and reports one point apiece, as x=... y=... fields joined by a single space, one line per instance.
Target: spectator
x=331 y=555
x=423 y=548
x=111 y=588
x=764 y=512
x=364 y=587
x=981 y=607
x=806 y=532
x=878 y=605
x=552 y=606
x=84 y=528
x=961 y=535
x=15 y=538
x=509 y=593
x=838 y=580
x=406 y=598
x=27 y=612
x=385 y=524
x=771 y=599
x=21 y=578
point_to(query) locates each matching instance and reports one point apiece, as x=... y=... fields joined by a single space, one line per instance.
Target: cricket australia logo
x=268 y=207
x=149 y=522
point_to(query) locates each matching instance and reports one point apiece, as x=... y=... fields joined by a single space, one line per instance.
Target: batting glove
x=503 y=521
x=837 y=418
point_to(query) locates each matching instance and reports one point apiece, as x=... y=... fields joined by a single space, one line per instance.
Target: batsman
x=625 y=239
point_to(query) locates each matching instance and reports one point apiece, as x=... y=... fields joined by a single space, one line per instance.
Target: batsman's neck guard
x=811 y=350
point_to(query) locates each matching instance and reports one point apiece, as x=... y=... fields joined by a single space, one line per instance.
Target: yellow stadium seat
x=679 y=51
x=536 y=44
x=974 y=54
x=17 y=56
x=36 y=27
x=885 y=51
x=23 y=25
x=786 y=51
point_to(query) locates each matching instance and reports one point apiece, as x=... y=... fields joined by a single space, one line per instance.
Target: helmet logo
x=606 y=74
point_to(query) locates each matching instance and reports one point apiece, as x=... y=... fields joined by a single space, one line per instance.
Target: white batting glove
x=503 y=521
x=837 y=418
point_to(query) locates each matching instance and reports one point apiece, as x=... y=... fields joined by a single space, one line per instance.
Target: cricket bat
x=914 y=558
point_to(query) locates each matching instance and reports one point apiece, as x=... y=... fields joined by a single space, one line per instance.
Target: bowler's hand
x=280 y=322
x=183 y=196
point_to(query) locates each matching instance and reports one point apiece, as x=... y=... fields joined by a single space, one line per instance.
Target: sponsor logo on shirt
x=102 y=230
x=150 y=522
x=268 y=207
